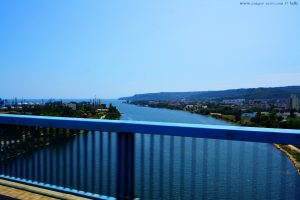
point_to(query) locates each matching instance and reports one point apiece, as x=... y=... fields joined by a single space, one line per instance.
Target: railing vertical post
x=45 y=155
x=93 y=163
x=64 y=137
x=10 y=152
x=125 y=166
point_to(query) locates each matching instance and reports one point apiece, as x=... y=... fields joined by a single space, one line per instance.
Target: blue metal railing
x=124 y=159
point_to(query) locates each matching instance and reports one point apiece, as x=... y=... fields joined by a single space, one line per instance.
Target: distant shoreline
x=278 y=146
x=290 y=156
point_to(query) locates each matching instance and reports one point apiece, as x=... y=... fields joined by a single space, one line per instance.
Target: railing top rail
x=253 y=134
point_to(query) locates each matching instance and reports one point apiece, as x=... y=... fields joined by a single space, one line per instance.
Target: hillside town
x=276 y=113
x=269 y=113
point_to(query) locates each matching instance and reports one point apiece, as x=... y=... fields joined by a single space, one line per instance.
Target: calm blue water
x=173 y=167
x=140 y=113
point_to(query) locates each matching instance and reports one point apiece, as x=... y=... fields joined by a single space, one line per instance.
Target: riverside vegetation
x=19 y=140
x=259 y=117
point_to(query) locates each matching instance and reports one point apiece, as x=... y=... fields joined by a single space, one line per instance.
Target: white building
x=249 y=115
x=189 y=107
x=294 y=102
x=71 y=105
x=234 y=101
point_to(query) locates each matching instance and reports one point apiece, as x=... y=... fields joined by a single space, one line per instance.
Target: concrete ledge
x=36 y=190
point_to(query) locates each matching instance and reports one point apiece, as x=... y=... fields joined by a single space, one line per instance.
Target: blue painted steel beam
x=264 y=135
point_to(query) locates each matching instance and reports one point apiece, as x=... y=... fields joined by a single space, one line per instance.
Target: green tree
x=112 y=113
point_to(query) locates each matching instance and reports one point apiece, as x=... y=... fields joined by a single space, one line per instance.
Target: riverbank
x=292 y=155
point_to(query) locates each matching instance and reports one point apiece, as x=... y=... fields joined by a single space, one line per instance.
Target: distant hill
x=248 y=93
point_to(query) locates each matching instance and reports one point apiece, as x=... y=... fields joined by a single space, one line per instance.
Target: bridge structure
x=115 y=159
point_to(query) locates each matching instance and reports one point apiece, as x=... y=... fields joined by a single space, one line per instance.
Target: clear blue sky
x=78 y=49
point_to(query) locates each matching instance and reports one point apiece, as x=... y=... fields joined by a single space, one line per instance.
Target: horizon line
x=116 y=98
